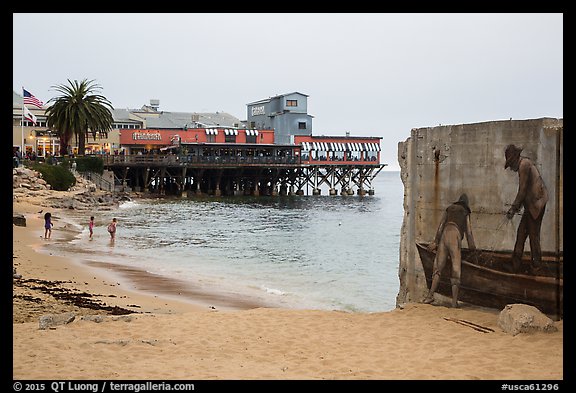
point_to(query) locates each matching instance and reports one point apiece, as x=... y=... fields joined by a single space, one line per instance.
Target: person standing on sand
x=91 y=226
x=454 y=225
x=112 y=229
x=48 y=225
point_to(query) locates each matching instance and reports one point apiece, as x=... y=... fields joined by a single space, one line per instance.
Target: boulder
x=51 y=320
x=93 y=318
x=18 y=220
x=522 y=318
x=15 y=275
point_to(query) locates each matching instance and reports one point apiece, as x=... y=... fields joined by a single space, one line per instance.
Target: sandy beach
x=153 y=328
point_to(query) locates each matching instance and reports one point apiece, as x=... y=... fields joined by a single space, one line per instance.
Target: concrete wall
x=439 y=163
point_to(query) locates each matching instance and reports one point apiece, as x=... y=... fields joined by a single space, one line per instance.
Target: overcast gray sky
x=369 y=74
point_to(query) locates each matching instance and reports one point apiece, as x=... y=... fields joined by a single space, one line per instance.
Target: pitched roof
x=162 y=119
x=277 y=96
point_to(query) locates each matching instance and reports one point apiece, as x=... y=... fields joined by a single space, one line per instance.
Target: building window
x=251 y=139
x=230 y=138
x=301 y=125
x=291 y=102
x=252 y=124
x=39 y=123
x=124 y=126
x=338 y=156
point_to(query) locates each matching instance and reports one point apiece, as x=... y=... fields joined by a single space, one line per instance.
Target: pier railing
x=177 y=160
x=98 y=180
x=187 y=159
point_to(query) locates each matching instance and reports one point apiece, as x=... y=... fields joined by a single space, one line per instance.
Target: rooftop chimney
x=155 y=103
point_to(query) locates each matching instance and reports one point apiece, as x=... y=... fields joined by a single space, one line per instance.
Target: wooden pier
x=239 y=175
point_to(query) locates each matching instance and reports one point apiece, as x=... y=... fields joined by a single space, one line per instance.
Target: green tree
x=79 y=112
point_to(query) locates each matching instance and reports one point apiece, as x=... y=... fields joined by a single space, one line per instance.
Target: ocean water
x=319 y=252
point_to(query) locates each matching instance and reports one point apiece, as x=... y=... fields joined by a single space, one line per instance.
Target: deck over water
x=240 y=175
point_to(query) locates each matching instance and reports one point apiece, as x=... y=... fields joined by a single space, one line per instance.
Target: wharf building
x=39 y=140
x=286 y=114
x=217 y=154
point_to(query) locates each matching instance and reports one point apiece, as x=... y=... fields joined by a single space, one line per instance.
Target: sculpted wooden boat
x=485 y=281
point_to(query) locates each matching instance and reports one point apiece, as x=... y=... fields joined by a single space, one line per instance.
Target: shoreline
x=33 y=263
x=165 y=338
x=149 y=291
x=208 y=290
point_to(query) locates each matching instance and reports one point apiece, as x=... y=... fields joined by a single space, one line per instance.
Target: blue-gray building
x=287 y=114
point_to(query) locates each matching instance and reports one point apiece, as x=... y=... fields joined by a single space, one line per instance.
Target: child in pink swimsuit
x=91 y=226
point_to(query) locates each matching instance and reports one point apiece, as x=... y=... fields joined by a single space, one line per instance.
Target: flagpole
x=22 y=149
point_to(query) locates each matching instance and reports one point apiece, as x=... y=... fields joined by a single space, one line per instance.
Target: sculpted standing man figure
x=533 y=195
x=454 y=225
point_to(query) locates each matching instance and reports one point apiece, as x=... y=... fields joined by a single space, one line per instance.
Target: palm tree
x=77 y=112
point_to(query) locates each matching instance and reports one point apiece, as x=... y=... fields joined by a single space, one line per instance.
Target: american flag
x=30 y=99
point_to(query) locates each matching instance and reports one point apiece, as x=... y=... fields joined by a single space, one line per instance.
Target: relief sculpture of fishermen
x=455 y=224
x=508 y=271
x=533 y=196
